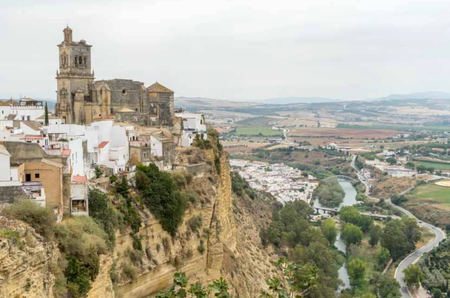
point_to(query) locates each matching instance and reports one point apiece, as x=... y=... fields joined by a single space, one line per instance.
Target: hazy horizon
x=235 y=50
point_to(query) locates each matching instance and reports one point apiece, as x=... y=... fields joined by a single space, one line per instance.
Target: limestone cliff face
x=219 y=237
x=25 y=261
x=217 y=248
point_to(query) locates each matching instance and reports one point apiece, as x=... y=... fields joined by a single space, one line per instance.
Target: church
x=82 y=100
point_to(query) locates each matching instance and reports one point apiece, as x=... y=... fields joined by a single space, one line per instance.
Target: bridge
x=335 y=211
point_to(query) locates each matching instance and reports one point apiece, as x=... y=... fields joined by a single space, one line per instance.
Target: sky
x=237 y=50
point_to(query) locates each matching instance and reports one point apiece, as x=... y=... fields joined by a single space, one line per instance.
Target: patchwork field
x=342 y=133
x=257 y=131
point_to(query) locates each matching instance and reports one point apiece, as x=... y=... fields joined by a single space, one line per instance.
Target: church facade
x=82 y=100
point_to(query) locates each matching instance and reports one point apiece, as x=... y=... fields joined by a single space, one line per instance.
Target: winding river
x=349 y=200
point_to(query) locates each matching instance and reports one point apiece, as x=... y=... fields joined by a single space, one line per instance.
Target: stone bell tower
x=74 y=78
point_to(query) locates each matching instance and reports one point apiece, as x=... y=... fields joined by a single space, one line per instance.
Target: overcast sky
x=348 y=49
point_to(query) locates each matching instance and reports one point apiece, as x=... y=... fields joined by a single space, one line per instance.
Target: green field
x=435 y=165
x=257 y=131
x=434 y=192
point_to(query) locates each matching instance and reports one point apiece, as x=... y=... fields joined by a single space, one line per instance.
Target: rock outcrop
x=26 y=261
x=219 y=237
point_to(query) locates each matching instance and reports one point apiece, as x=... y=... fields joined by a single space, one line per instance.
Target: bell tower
x=74 y=77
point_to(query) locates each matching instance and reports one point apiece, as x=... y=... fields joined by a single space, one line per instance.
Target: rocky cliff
x=219 y=237
x=27 y=262
x=226 y=243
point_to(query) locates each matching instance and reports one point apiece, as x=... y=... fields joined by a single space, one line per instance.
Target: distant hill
x=294 y=100
x=417 y=95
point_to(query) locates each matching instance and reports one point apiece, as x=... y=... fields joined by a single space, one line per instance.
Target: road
x=416 y=255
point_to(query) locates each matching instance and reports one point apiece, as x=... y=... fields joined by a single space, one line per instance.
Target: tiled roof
x=79 y=179
x=103 y=144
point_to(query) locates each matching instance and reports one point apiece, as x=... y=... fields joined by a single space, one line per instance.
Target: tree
x=391 y=161
x=430 y=170
x=356 y=271
x=421 y=169
x=413 y=276
x=352 y=234
x=161 y=196
x=386 y=286
x=410 y=165
x=383 y=256
x=395 y=240
x=329 y=230
x=329 y=193
x=374 y=234
x=46 y=114
x=350 y=214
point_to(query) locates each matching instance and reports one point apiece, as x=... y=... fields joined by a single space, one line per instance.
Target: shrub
x=201 y=247
x=195 y=223
x=42 y=219
x=179 y=179
x=104 y=213
x=129 y=271
x=136 y=256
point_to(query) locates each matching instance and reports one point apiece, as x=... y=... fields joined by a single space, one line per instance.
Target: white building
x=26 y=109
x=193 y=125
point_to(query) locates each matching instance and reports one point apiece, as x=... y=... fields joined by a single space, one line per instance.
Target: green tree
x=396 y=240
x=383 y=256
x=350 y=214
x=413 y=276
x=391 y=161
x=161 y=196
x=356 y=271
x=46 y=115
x=410 y=165
x=352 y=234
x=386 y=286
x=421 y=169
x=329 y=230
x=374 y=233
x=329 y=193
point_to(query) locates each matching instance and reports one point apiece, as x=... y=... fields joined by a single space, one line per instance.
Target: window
x=124 y=91
x=27 y=177
x=37 y=175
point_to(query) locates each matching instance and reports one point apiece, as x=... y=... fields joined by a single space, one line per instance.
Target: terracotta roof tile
x=102 y=144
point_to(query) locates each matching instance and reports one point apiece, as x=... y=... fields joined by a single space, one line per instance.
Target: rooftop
x=103 y=144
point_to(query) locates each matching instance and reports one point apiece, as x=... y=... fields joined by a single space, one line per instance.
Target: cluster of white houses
x=54 y=164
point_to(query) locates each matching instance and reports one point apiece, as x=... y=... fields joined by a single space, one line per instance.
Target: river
x=349 y=200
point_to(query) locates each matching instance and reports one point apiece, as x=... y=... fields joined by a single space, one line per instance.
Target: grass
x=257 y=131
x=435 y=165
x=9 y=234
x=432 y=191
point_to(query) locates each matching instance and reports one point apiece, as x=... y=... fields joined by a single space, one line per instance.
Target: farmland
x=430 y=203
x=342 y=133
x=433 y=192
x=436 y=165
x=257 y=131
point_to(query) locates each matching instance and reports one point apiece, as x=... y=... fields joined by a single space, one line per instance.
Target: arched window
x=80 y=60
x=76 y=61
